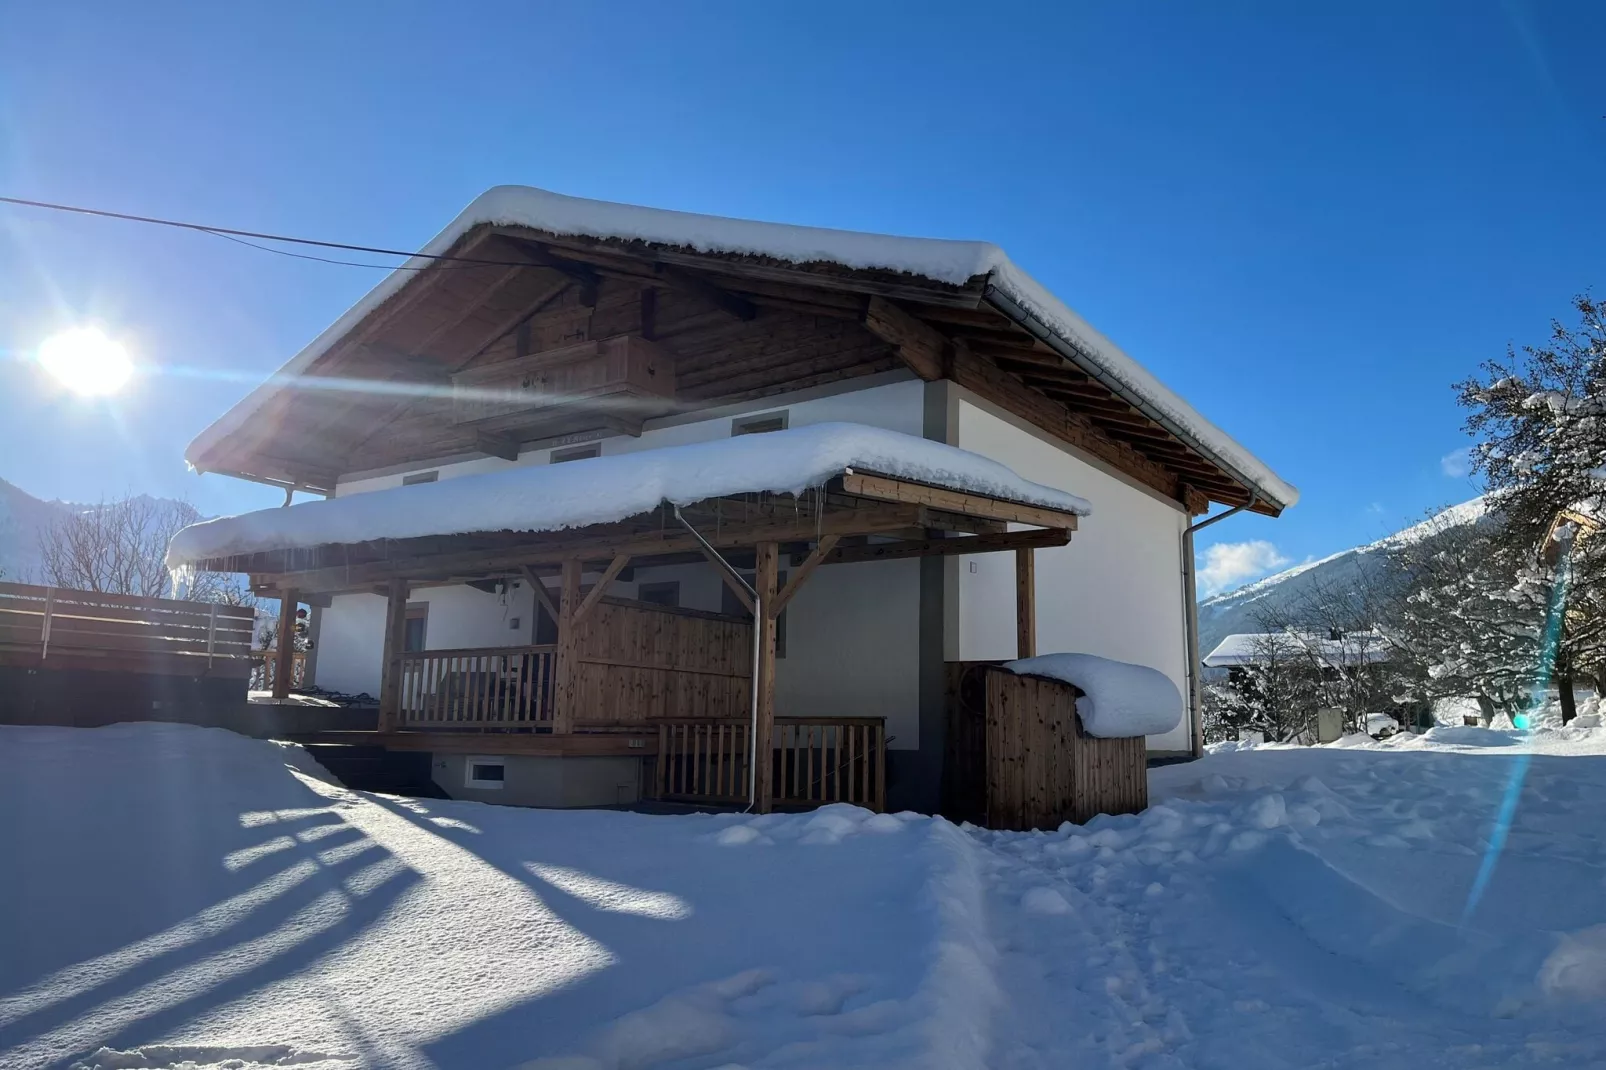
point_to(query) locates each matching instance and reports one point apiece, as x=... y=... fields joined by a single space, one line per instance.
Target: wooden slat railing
x=703 y=760
x=56 y=620
x=816 y=760
x=474 y=688
x=830 y=759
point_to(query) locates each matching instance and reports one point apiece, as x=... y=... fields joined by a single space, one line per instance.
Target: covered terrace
x=690 y=689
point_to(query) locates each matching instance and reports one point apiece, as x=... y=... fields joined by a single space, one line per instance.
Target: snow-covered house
x=890 y=441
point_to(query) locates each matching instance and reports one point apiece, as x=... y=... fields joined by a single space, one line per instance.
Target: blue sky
x=1308 y=219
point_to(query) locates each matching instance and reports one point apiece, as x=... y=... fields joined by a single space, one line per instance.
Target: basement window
x=759 y=425
x=485 y=773
x=576 y=453
x=420 y=477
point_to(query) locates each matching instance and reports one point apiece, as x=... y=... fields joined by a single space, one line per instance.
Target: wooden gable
x=550 y=338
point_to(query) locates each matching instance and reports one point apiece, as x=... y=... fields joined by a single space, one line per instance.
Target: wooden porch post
x=567 y=691
x=284 y=657
x=395 y=642
x=766 y=578
x=1025 y=604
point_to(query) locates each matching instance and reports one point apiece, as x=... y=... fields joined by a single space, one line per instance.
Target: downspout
x=1190 y=616
x=758 y=608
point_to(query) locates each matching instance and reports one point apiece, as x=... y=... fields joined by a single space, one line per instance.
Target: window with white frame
x=485 y=772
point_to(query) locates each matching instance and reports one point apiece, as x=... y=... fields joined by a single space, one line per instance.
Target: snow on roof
x=940 y=260
x=1118 y=700
x=1252 y=648
x=602 y=490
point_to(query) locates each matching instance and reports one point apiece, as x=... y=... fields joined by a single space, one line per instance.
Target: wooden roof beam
x=720 y=298
x=918 y=344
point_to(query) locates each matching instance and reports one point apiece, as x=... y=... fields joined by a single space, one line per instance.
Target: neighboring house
x=519 y=414
x=1344 y=650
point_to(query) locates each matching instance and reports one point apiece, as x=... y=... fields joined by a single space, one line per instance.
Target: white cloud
x=1457 y=464
x=1227 y=564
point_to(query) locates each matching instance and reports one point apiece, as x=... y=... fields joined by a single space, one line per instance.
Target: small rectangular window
x=666 y=593
x=420 y=477
x=486 y=773
x=576 y=453
x=759 y=425
x=416 y=626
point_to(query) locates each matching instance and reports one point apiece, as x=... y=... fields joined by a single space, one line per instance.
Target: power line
x=239 y=236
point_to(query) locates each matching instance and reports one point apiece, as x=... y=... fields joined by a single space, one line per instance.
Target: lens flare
x=1555 y=613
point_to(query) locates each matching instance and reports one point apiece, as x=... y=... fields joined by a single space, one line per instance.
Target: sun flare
x=86 y=362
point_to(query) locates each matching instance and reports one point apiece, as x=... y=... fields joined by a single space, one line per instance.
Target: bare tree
x=120 y=547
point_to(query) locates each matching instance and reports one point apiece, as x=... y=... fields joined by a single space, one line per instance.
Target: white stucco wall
x=852 y=635
x=1116 y=591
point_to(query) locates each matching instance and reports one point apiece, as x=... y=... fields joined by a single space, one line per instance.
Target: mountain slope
x=22 y=518
x=1242 y=609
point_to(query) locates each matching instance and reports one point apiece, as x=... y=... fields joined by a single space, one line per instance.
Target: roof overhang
x=949 y=283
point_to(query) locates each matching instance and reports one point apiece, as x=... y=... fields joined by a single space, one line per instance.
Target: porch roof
x=605 y=490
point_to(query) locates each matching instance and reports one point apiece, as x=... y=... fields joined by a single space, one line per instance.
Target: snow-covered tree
x=1470 y=611
x=120 y=547
x=1540 y=418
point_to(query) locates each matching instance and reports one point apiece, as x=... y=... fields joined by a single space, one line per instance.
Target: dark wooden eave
x=739 y=328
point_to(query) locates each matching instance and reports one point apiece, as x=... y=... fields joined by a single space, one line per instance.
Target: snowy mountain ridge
x=1241 y=609
x=23 y=519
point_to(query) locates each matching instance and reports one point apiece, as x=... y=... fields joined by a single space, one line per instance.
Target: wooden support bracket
x=608 y=576
x=802 y=572
x=503 y=446
x=542 y=595
x=728 y=580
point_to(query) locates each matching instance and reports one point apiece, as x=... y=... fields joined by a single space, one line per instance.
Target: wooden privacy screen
x=1042 y=769
x=640 y=662
x=1018 y=758
x=84 y=629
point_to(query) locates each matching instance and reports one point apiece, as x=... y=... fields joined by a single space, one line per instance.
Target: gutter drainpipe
x=758 y=608
x=1190 y=616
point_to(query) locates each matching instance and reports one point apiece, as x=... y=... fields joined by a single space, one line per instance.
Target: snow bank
x=1282 y=906
x=1118 y=700
x=955 y=263
x=601 y=490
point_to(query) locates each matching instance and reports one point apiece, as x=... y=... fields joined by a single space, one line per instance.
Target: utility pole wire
x=237 y=235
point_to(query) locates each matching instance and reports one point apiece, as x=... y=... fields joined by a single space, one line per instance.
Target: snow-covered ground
x=182 y=897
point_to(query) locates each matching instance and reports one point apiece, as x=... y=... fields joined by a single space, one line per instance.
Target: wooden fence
x=59 y=627
x=816 y=760
x=501 y=687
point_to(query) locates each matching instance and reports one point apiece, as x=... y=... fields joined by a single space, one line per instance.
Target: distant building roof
x=1256 y=648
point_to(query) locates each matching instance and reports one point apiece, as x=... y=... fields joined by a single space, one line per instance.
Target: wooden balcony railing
x=262 y=675
x=703 y=761
x=830 y=759
x=816 y=760
x=497 y=687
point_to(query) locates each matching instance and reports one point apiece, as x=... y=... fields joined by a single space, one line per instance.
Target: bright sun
x=86 y=361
